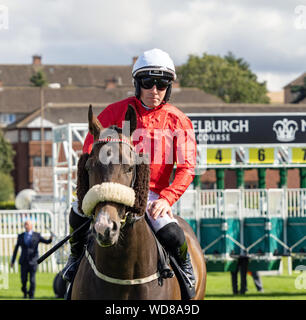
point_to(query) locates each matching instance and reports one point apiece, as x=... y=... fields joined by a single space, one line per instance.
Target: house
x=290 y=96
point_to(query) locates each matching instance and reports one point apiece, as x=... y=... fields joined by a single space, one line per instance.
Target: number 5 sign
x=261 y=155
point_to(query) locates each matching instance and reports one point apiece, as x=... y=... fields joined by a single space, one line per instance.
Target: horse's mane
x=141 y=185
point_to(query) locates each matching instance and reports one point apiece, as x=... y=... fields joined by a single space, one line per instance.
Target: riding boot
x=77 y=244
x=172 y=237
x=182 y=256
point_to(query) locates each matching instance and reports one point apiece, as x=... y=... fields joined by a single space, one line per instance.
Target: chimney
x=36 y=60
x=134 y=60
x=111 y=84
x=175 y=84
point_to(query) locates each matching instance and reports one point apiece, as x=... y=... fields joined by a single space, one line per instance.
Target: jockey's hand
x=158 y=208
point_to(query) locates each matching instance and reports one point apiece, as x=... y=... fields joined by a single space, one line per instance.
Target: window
x=48 y=161
x=35 y=135
x=7 y=118
x=36 y=161
x=12 y=136
x=24 y=136
x=48 y=135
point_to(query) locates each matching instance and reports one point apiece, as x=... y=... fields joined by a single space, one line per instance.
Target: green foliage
x=6 y=187
x=39 y=79
x=7 y=205
x=229 y=78
x=299 y=91
x=6 y=155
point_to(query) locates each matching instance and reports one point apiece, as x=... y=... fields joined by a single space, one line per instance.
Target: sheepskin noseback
x=107 y=191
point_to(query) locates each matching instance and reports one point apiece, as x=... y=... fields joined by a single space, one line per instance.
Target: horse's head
x=109 y=183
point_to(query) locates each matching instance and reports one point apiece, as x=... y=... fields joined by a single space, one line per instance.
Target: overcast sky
x=270 y=35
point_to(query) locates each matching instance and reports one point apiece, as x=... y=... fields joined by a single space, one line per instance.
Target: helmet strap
x=168 y=93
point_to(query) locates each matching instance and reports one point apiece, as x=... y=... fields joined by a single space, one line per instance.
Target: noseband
x=111 y=191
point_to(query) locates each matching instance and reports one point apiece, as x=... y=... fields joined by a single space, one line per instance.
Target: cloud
x=112 y=32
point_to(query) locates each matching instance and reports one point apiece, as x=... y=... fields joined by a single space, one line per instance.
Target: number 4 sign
x=219 y=156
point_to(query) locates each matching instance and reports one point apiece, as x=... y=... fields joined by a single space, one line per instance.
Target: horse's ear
x=131 y=118
x=94 y=124
x=82 y=180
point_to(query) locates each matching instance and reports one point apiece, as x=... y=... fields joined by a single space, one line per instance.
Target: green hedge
x=7 y=205
x=6 y=187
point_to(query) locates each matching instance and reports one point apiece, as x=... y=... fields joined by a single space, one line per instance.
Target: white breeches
x=160 y=221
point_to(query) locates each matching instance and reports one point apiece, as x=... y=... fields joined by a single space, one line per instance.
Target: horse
x=121 y=258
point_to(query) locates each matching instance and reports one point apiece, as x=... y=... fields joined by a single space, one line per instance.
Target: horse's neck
x=134 y=256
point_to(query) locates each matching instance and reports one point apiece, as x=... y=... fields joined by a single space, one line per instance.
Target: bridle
x=122 y=141
x=129 y=219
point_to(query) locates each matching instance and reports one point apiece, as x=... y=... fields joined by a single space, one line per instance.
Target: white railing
x=242 y=203
x=12 y=224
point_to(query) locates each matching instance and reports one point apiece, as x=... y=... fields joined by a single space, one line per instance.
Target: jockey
x=153 y=73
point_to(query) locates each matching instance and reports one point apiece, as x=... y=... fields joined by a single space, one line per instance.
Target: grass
x=278 y=287
x=281 y=287
x=275 y=288
x=44 y=287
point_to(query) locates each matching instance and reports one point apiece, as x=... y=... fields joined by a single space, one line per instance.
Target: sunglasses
x=161 y=83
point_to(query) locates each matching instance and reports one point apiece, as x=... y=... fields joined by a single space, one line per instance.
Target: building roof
x=298 y=81
x=13 y=75
x=26 y=100
x=61 y=113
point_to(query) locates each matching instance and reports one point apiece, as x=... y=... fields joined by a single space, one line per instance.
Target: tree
x=6 y=187
x=229 y=78
x=6 y=155
x=39 y=80
x=6 y=166
x=299 y=92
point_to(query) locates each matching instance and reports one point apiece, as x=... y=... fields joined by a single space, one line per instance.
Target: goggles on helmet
x=149 y=82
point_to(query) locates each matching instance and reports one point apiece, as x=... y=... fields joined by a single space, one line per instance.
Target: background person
x=242 y=268
x=28 y=241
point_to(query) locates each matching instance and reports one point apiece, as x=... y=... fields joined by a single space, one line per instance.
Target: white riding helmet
x=154 y=62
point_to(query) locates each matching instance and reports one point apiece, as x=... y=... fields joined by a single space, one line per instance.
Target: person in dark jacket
x=28 y=241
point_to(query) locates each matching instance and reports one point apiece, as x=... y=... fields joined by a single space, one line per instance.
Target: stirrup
x=70 y=268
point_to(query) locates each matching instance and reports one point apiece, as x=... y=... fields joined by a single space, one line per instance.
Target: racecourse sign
x=250 y=139
x=249 y=129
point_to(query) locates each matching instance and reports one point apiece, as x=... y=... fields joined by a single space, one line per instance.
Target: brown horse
x=120 y=261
